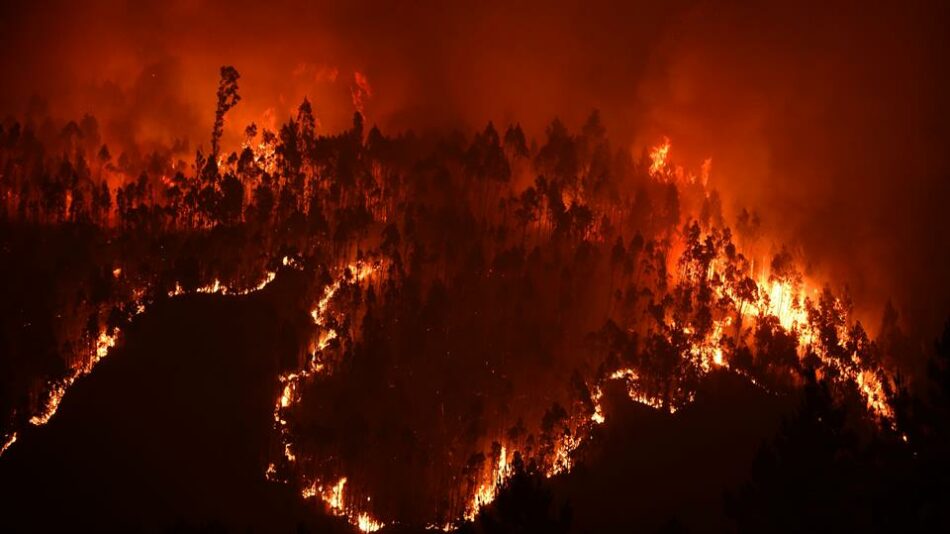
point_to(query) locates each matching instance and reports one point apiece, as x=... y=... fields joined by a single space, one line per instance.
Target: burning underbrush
x=426 y=385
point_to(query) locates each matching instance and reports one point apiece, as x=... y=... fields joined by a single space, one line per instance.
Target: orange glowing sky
x=830 y=120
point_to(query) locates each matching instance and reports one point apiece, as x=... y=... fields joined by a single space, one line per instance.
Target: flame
x=781 y=299
x=487 y=490
x=785 y=301
x=366 y=523
x=287 y=396
x=333 y=498
x=598 y=415
x=717 y=357
x=217 y=288
x=659 y=155
x=776 y=298
x=563 y=460
x=331 y=495
x=107 y=339
x=8 y=443
x=784 y=304
x=57 y=390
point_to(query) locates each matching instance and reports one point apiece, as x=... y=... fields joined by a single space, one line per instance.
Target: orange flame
x=659 y=155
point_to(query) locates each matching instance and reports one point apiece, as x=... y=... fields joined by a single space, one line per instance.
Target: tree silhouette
x=228 y=97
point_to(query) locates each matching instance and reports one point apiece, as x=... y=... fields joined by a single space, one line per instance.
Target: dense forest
x=468 y=303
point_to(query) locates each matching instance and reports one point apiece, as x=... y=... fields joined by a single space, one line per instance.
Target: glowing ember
x=8 y=443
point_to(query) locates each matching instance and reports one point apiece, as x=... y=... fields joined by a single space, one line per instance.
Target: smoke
x=832 y=124
x=830 y=121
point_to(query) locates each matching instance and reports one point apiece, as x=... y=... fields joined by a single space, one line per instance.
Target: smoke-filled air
x=516 y=267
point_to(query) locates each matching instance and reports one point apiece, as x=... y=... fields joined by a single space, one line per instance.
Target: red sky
x=831 y=120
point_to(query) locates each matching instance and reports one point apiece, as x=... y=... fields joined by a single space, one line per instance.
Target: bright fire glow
x=776 y=298
x=659 y=155
x=106 y=340
x=57 y=390
x=486 y=491
x=333 y=498
x=8 y=443
x=331 y=495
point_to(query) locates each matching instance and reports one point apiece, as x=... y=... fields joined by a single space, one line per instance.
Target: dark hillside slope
x=170 y=431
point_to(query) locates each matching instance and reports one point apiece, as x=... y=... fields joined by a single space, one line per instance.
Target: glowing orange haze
x=783 y=300
x=833 y=128
x=813 y=134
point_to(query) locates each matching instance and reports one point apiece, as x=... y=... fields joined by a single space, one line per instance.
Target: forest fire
x=460 y=329
x=707 y=262
x=658 y=157
x=332 y=497
x=488 y=489
x=56 y=389
x=768 y=297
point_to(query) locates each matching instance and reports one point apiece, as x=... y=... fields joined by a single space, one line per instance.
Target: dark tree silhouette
x=228 y=97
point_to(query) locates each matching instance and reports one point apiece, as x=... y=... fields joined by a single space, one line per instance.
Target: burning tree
x=462 y=322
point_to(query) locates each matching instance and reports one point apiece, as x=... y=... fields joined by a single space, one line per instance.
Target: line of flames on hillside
x=777 y=299
x=780 y=299
x=331 y=494
x=56 y=390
